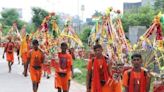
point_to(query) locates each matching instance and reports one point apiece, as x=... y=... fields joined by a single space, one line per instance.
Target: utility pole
x=78 y=16
x=82 y=11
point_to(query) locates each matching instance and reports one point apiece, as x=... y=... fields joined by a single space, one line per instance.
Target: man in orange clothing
x=159 y=84
x=18 y=49
x=72 y=52
x=9 y=50
x=136 y=79
x=98 y=75
x=35 y=59
x=24 y=49
x=47 y=67
x=47 y=70
x=64 y=71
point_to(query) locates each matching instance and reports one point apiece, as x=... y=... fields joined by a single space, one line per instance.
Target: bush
x=5 y=30
x=85 y=34
x=80 y=64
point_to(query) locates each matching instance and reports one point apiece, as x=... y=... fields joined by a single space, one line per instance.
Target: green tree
x=30 y=27
x=9 y=16
x=38 y=16
x=97 y=13
x=142 y=16
x=85 y=34
x=20 y=23
x=6 y=29
x=159 y=6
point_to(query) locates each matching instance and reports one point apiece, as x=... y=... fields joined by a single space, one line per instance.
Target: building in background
x=145 y=2
x=127 y=6
x=136 y=31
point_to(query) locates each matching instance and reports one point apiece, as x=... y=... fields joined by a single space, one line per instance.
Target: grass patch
x=80 y=64
x=152 y=84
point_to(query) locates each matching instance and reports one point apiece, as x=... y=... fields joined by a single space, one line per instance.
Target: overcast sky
x=71 y=7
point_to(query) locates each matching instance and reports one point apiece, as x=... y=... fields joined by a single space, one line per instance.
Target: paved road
x=15 y=82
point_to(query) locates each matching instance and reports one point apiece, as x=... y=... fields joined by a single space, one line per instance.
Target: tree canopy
x=9 y=16
x=142 y=16
x=38 y=15
x=159 y=5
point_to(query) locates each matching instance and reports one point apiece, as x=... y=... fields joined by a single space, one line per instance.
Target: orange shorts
x=113 y=86
x=46 y=68
x=61 y=82
x=70 y=75
x=24 y=57
x=35 y=75
x=10 y=57
x=105 y=88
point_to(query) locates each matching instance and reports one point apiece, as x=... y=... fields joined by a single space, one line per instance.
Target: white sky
x=71 y=7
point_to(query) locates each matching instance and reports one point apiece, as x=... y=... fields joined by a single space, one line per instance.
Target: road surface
x=16 y=82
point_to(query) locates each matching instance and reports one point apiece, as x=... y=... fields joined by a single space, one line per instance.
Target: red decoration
x=158 y=88
x=159 y=33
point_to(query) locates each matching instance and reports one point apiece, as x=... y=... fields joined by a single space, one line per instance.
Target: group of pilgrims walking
x=110 y=67
x=100 y=75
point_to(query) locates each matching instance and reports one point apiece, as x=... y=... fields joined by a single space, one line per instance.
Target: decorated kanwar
x=112 y=51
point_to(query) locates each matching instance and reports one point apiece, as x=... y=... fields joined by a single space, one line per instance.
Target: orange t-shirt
x=105 y=88
x=10 y=47
x=64 y=66
x=137 y=76
x=100 y=63
x=36 y=58
x=65 y=63
x=90 y=64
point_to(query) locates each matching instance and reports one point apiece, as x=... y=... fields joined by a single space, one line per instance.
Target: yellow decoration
x=142 y=38
x=134 y=46
x=23 y=46
x=160 y=44
x=75 y=39
x=110 y=41
x=108 y=10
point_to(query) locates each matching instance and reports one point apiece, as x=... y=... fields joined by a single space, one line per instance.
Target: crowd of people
x=100 y=75
x=35 y=63
x=104 y=73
